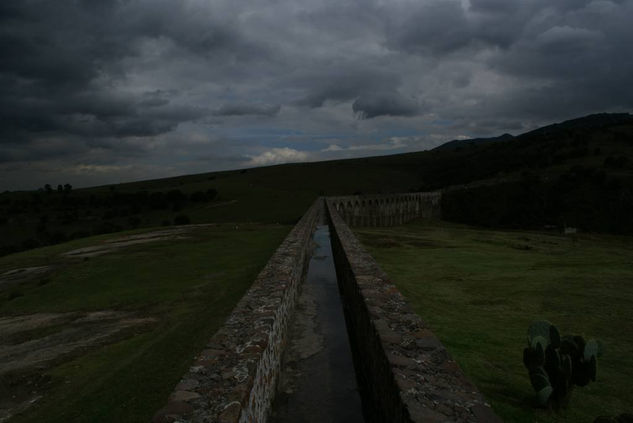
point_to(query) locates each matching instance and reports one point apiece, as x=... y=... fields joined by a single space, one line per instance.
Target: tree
x=176 y=198
x=181 y=219
x=212 y=193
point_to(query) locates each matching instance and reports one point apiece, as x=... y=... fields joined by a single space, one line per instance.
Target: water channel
x=317 y=381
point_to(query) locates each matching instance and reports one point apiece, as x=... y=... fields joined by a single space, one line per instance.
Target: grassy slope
x=276 y=194
x=189 y=285
x=479 y=290
x=282 y=193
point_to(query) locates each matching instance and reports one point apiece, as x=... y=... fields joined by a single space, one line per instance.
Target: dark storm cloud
x=62 y=62
x=105 y=82
x=344 y=82
x=578 y=57
x=384 y=104
x=245 y=109
x=435 y=27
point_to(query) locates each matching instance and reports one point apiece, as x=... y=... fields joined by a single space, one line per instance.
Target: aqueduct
x=403 y=371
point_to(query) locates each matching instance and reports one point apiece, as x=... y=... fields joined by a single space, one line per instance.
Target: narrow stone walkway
x=317 y=381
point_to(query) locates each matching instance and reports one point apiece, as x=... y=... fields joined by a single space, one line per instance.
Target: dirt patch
x=25 y=274
x=74 y=331
x=175 y=233
x=129 y=240
x=31 y=344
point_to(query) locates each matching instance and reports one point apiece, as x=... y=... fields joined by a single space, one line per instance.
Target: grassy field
x=182 y=288
x=480 y=289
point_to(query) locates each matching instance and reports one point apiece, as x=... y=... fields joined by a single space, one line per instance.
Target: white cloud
x=92 y=169
x=391 y=143
x=278 y=156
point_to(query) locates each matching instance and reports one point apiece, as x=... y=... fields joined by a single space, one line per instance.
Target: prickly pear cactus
x=555 y=364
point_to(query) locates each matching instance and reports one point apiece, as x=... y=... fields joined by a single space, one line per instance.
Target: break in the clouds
x=101 y=91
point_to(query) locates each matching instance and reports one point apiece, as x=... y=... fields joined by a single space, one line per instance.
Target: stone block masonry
x=404 y=372
x=233 y=380
x=387 y=209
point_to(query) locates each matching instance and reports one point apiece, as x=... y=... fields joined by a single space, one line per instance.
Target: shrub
x=212 y=193
x=29 y=243
x=57 y=237
x=181 y=219
x=198 y=197
x=14 y=294
x=79 y=234
x=134 y=221
x=110 y=214
x=106 y=228
x=157 y=201
x=176 y=197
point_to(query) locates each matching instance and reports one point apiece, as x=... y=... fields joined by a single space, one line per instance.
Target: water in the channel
x=317 y=381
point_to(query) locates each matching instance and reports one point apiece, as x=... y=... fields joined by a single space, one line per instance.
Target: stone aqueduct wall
x=404 y=372
x=387 y=209
x=234 y=379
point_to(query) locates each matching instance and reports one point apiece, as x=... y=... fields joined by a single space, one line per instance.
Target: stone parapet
x=405 y=374
x=234 y=379
x=387 y=209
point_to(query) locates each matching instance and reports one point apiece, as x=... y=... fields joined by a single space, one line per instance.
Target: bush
x=198 y=197
x=157 y=201
x=181 y=219
x=79 y=234
x=110 y=214
x=8 y=249
x=212 y=193
x=30 y=243
x=14 y=294
x=176 y=197
x=106 y=228
x=57 y=237
x=134 y=221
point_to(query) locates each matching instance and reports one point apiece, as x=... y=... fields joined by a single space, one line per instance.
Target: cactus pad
x=555 y=364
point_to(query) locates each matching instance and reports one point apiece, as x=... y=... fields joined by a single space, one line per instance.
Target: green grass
x=190 y=286
x=480 y=289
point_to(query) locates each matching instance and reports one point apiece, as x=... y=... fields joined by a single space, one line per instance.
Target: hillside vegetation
x=578 y=173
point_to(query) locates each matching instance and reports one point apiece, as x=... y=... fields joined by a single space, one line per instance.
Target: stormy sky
x=106 y=91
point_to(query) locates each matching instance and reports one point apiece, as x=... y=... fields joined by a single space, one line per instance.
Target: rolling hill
x=576 y=173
